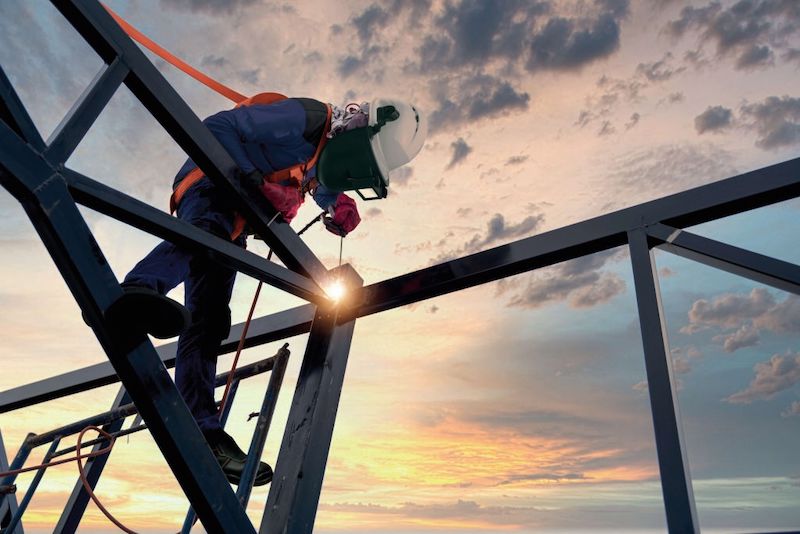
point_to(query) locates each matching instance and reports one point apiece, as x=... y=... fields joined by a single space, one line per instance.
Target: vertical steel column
x=16 y=519
x=676 y=483
x=10 y=502
x=262 y=426
x=294 y=495
x=79 y=498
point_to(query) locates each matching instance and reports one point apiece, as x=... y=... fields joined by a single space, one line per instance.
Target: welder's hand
x=344 y=218
x=252 y=180
x=285 y=199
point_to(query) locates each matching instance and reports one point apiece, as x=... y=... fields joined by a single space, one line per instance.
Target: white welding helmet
x=400 y=133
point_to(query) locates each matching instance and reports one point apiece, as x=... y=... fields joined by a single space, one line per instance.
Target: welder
x=285 y=148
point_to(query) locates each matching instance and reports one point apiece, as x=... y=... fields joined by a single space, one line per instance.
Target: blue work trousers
x=207 y=286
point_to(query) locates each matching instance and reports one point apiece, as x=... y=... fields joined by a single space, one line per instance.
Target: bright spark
x=336 y=291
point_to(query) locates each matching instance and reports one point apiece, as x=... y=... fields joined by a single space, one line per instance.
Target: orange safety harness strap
x=295 y=174
x=145 y=41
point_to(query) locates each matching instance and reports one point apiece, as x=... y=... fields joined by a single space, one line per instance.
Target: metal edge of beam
x=740 y=193
x=103 y=34
x=741 y=262
x=84 y=112
x=138 y=214
x=273 y=327
x=13 y=113
x=676 y=482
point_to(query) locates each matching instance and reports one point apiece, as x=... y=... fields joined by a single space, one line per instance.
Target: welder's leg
x=162 y=270
x=208 y=290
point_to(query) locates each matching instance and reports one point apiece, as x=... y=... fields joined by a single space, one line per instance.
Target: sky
x=519 y=405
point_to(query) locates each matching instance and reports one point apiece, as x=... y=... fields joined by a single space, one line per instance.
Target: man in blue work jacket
x=276 y=143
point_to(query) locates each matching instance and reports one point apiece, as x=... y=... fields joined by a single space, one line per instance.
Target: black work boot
x=147 y=310
x=232 y=459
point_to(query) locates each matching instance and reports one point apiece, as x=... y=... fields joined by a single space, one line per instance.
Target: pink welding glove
x=285 y=199
x=345 y=216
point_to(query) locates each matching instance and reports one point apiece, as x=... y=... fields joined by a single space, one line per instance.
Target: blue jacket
x=271 y=137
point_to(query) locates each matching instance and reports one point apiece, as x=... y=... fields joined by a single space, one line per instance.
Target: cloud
x=552 y=477
x=371 y=20
x=516 y=160
x=641 y=175
x=713 y=119
x=659 y=71
x=755 y=56
x=747 y=29
x=681 y=365
x=460 y=151
x=633 y=121
x=775 y=119
x=211 y=7
x=773 y=376
x=747 y=315
x=497 y=230
x=565 y=44
x=579 y=281
x=730 y=310
x=746 y=336
x=480 y=96
x=401 y=177
x=606 y=129
x=792 y=411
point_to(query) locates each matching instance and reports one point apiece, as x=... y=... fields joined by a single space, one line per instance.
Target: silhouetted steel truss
x=33 y=171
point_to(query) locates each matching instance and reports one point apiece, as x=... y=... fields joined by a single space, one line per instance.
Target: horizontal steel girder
x=702 y=204
x=267 y=329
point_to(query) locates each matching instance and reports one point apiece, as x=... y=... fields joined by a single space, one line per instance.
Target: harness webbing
x=167 y=56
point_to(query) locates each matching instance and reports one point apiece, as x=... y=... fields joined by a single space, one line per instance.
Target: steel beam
x=79 y=498
x=45 y=198
x=757 y=267
x=127 y=209
x=14 y=114
x=69 y=133
x=273 y=327
x=294 y=494
x=97 y=27
x=10 y=506
x=8 y=502
x=676 y=482
x=261 y=430
x=702 y=204
x=16 y=519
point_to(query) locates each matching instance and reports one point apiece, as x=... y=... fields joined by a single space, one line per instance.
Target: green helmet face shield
x=348 y=164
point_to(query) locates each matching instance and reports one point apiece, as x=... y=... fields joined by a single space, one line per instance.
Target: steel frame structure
x=34 y=172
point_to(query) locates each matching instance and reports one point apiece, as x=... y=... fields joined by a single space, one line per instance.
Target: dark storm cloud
x=565 y=44
x=460 y=151
x=747 y=28
x=713 y=119
x=776 y=120
x=213 y=7
x=580 y=281
x=373 y=19
x=480 y=96
x=755 y=56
